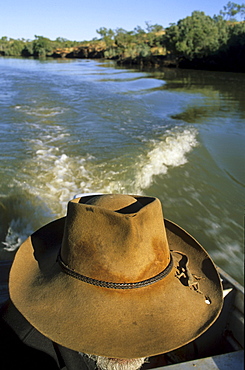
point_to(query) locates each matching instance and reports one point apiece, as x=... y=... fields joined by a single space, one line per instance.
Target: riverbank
x=224 y=62
x=88 y=52
x=233 y=61
x=195 y=42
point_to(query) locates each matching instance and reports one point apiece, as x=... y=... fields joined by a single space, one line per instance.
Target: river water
x=76 y=126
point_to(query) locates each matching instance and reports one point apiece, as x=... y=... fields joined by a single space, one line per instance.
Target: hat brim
x=114 y=323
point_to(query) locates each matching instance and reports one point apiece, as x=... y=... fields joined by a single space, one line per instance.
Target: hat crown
x=117 y=238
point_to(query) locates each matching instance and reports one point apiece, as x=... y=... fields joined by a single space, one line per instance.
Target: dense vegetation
x=197 y=41
x=202 y=41
x=39 y=47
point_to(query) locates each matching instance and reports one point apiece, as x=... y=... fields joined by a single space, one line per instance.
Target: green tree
x=195 y=36
x=237 y=37
x=223 y=31
x=27 y=51
x=16 y=47
x=153 y=27
x=143 y=50
x=139 y=31
x=42 y=46
x=61 y=40
x=231 y=10
x=3 y=44
x=124 y=41
x=11 y=47
x=107 y=35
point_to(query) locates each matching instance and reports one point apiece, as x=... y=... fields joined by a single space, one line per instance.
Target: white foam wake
x=16 y=234
x=54 y=177
x=169 y=152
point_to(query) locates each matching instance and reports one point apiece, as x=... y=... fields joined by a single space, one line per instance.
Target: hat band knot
x=107 y=284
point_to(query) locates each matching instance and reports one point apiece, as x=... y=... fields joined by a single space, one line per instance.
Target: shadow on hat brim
x=114 y=323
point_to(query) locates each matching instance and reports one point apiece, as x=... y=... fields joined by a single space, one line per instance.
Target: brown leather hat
x=112 y=278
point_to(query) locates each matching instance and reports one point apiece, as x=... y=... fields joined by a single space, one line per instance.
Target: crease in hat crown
x=116 y=238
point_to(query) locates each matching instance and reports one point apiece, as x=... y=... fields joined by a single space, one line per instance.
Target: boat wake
x=52 y=177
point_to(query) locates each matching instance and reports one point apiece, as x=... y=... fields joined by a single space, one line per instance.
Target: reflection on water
x=81 y=126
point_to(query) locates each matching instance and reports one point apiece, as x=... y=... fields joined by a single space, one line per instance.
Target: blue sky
x=79 y=19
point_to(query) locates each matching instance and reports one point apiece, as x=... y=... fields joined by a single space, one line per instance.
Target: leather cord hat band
x=106 y=284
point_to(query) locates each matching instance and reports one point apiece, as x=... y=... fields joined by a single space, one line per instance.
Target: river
x=76 y=126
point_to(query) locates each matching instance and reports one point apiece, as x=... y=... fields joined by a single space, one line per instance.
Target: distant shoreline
x=195 y=42
x=155 y=62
